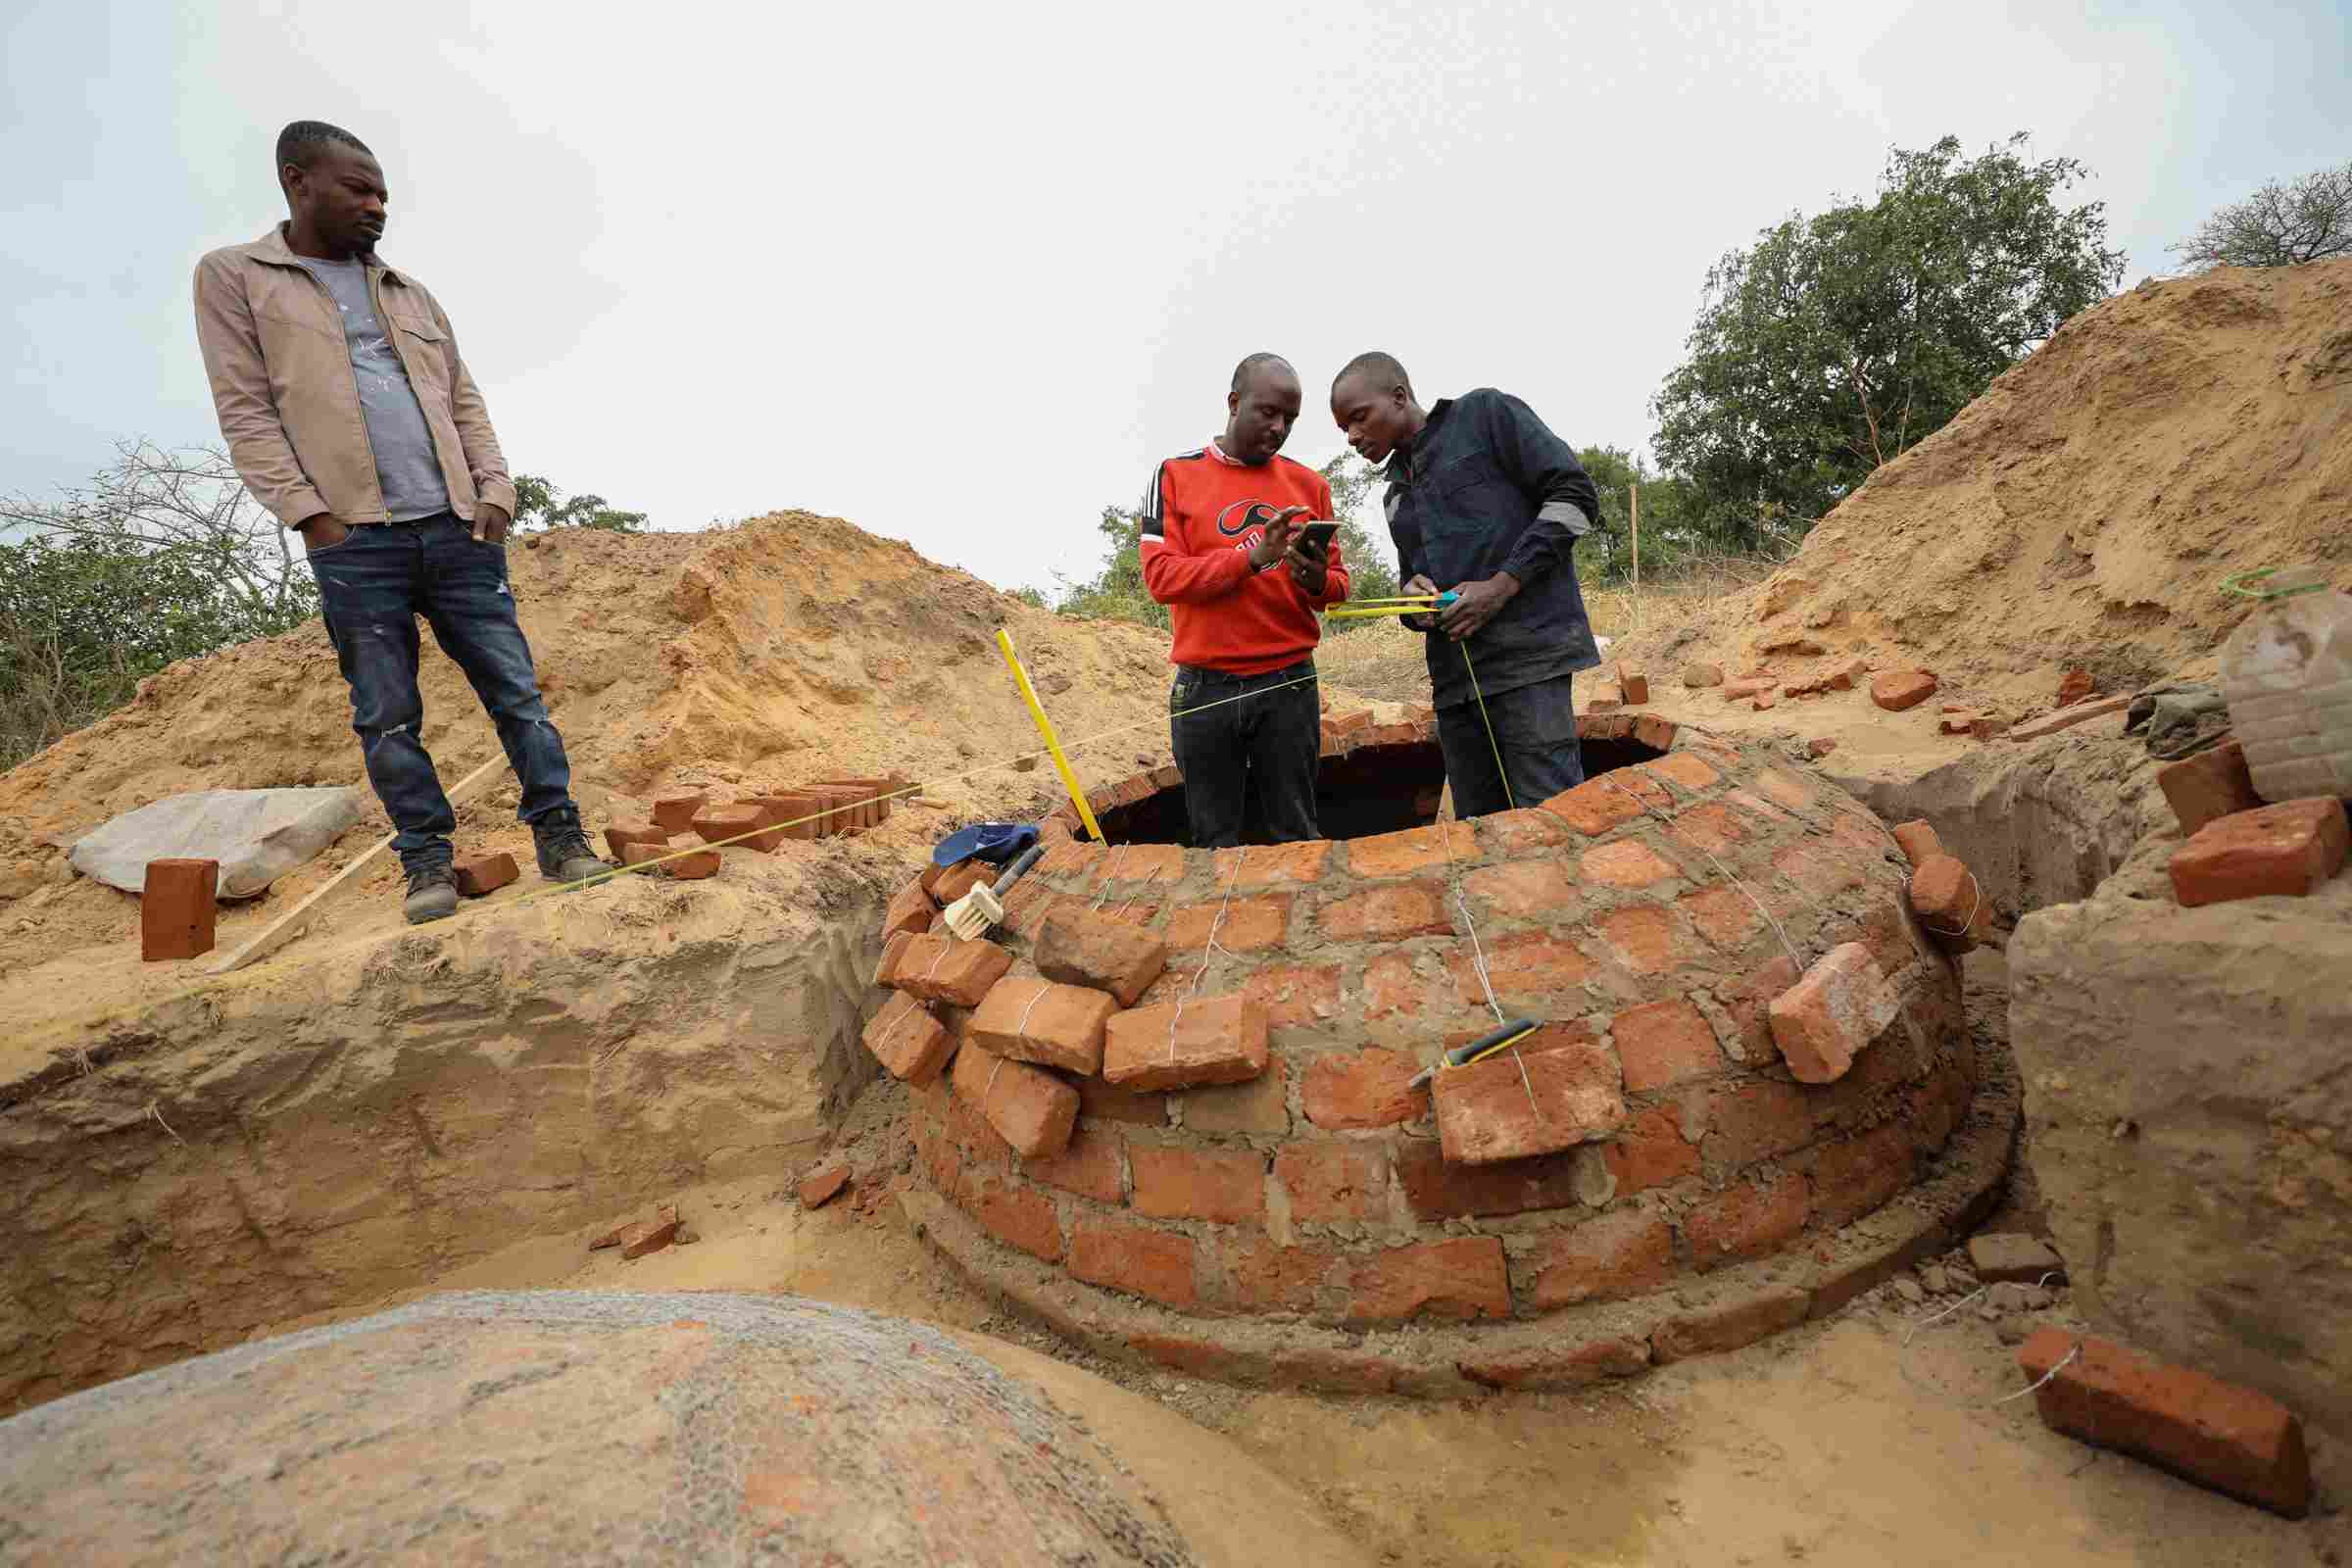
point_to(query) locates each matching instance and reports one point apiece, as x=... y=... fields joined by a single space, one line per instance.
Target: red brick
x=1645 y=938
x=1227 y=1185
x=1030 y=905
x=1261 y=1105
x=1295 y=994
x=1437 y=1189
x=1154 y=1264
x=1715 y=827
x=908 y=1040
x=2219 y=1434
x=1523 y=889
x=1462 y=1277
x=894 y=958
x=1083 y=947
x=1899 y=689
x=1386 y=913
x=1754 y=1121
x=1633 y=685
x=1824 y=1021
x=1602 y=724
x=179 y=908
x=1029 y=1107
x=1950 y=902
x=1044 y=1022
x=1074 y=859
x=798 y=816
x=960 y=879
x=1524 y=964
x=618 y=836
x=1333 y=1183
x=1854 y=1176
x=1650 y=1151
x=1520 y=832
x=1416 y=848
x=1247 y=925
x=1098 y=1100
x=1268 y=1278
x=1262 y=865
x=653 y=1237
x=1786 y=789
x=1188 y=1353
x=1092 y=1167
x=1685 y=770
x=1556 y=1365
x=1595 y=806
x=820 y=1186
x=1149 y=863
x=1018 y=1216
x=683 y=865
x=1627 y=863
x=1695 y=676
x=1602 y=705
x=1209 y=1040
x=1747 y=1221
x=2075 y=686
x=2069 y=718
x=1822 y=869
x=1664 y=1043
x=1392 y=989
x=1748 y=1001
x=1360 y=1090
x=1606 y=1259
x=1723 y=915
x=2211 y=785
x=1558 y=1090
x=675 y=814
x=941 y=968
x=2286 y=849
x=1729 y=1325
x=1820 y=745
x=910 y=911
x=482 y=874
x=1655 y=732
x=747 y=826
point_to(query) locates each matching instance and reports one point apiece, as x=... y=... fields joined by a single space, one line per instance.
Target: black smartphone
x=1317 y=536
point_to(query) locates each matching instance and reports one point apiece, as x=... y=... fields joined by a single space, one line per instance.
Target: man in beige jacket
x=351 y=416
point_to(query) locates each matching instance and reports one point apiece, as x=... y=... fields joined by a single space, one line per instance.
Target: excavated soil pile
x=583 y=1428
x=2085 y=510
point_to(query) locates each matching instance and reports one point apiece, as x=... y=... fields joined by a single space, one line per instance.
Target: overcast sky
x=962 y=274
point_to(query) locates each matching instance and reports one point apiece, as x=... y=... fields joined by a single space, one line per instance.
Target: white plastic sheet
x=257 y=835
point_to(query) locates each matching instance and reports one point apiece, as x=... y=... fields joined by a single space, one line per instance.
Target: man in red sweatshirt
x=1221 y=550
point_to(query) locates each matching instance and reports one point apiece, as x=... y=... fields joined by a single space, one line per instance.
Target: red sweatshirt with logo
x=1202 y=514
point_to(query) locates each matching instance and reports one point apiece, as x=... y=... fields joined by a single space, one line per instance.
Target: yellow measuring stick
x=1045 y=727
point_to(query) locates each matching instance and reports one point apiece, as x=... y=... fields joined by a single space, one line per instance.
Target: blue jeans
x=1535 y=729
x=372 y=586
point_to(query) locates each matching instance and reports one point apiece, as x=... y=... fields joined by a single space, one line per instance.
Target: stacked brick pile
x=1261 y=1155
x=2237 y=847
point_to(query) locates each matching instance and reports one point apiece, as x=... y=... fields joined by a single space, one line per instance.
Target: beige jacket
x=289 y=405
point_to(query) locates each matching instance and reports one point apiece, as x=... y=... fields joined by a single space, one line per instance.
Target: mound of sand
x=2085 y=510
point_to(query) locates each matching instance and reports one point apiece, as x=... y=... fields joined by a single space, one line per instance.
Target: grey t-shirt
x=406 y=463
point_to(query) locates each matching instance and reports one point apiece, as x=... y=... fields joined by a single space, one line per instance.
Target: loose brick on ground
x=479 y=876
x=1044 y=1022
x=2009 y=1257
x=1534 y=1098
x=1209 y=1040
x=618 y=836
x=907 y=1039
x=675 y=814
x=2288 y=850
x=747 y=826
x=1029 y=1107
x=179 y=908
x=2069 y=718
x=1900 y=689
x=2216 y=1434
x=820 y=1186
x=1633 y=685
x=1702 y=676
x=938 y=967
x=653 y=1237
x=683 y=865
x=2213 y=784
x=1950 y=903
x=1082 y=947
x=1824 y=1021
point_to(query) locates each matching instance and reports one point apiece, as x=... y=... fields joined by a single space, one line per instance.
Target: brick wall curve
x=1647 y=919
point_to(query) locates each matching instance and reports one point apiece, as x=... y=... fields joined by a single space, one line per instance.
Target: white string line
x=1206 y=948
x=1022 y=1028
x=1674 y=828
x=2072 y=1357
x=155 y=1108
x=1478 y=951
x=1109 y=874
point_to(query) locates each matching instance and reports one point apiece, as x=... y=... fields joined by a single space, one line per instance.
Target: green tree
x=536 y=507
x=162 y=557
x=1836 y=343
x=1371 y=562
x=2278 y=226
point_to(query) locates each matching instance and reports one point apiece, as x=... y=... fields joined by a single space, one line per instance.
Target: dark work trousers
x=1268 y=743
x=1535 y=728
x=372 y=586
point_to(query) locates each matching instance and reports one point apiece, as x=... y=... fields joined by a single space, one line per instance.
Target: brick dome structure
x=1645 y=1178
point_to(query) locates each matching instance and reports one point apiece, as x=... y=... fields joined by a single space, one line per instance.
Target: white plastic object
x=2287 y=675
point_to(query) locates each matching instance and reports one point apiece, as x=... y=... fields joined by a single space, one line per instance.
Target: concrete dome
x=1313 y=1226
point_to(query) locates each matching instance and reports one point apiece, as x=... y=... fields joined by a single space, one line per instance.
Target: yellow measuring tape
x=1045 y=727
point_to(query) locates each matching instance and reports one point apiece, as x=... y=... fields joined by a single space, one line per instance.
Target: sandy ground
x=1875 y=1437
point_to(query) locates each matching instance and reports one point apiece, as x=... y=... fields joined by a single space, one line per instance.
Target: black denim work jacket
x=1487 y=487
